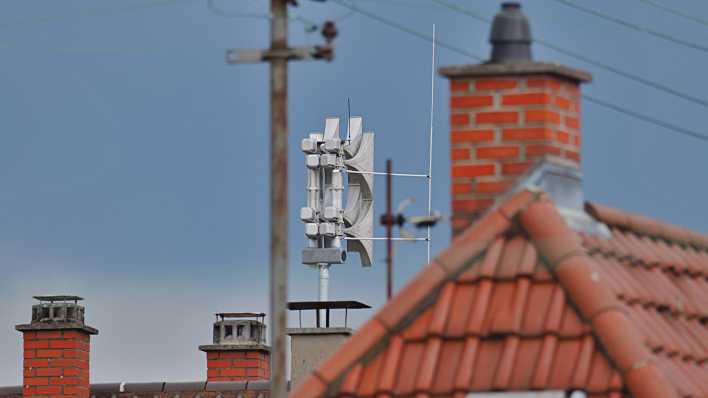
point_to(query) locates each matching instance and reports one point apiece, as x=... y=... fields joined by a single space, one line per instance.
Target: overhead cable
x=617 y=108
x=211 y=5
x=674 y=11
x=646 y=118
x=102 y=11
x=404 y=28
x=633 y=26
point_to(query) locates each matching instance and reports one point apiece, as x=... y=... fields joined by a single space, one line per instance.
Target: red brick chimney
x=56 y=349
x=239 y=351
x=506 y=115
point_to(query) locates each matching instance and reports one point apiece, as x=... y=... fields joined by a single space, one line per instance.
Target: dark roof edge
x=516 y=68
x=162 y=386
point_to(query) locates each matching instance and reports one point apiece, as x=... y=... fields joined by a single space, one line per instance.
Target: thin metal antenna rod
x=389 y=231
x=430 y=140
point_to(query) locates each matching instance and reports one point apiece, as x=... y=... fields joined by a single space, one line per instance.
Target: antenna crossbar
x=384 y=238
x=383 y=173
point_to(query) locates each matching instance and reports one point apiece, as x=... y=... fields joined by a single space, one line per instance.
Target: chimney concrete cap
x=515 y=69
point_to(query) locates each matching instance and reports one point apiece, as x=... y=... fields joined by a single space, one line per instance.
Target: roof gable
x=516 y=303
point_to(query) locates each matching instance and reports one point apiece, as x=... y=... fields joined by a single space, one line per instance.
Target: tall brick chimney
x=56 y=349
x=506 y=115
x=238 y=351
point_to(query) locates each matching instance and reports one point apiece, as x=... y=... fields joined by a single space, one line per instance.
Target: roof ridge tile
x=593 y=299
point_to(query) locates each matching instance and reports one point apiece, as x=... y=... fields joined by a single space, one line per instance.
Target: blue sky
x=133 y=161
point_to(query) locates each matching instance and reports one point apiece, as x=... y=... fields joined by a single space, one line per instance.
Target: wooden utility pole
x=278 y=56
x=278 y=197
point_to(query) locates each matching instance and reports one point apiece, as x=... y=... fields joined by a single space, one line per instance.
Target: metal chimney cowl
x=510 y=36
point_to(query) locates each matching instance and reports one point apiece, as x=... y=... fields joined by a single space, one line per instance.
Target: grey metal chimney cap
x=510 y=35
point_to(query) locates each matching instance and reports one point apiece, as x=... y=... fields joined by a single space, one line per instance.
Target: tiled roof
x=520 y=302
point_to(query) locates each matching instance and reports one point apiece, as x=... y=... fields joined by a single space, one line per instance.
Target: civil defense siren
x=328 y=222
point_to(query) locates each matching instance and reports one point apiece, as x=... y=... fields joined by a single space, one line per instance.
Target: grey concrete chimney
x=310 y=346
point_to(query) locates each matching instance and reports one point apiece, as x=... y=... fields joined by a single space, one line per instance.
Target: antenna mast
x=430 y=139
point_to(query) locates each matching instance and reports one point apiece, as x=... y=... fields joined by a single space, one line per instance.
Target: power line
x=647 y=82
x=93 y=12
x=636 y=27
x=674 y=11
x=397 y=3
x=645 y=118
x=616 y=108
x=405 y=29
x=211 y=5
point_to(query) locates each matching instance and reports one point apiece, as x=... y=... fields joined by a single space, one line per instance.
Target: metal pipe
x=278 y=197
x=324 y=285
x=389 y=231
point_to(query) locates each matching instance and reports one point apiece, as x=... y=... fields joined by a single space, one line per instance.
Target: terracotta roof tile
x=442 y=308
x=472 y=242
x=467 y=363
x=649 y=382
x=462 y=301
x=582 y=368
x=411 y=296
x=352 y=350
x=545 y=361
x=369 y=376
x=506 y=362
x=448 y=364
x=490 y=315
x=480 y=307
x=391 y=364
x=539 y=300
x=429 y=364
x=419 y=328
x=313 y=386
x=350 y=383
x=525 y=363
x=408 y=370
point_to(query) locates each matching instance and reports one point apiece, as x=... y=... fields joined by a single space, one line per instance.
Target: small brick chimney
x=506 y=115
x=239 y=351
x=56 y=349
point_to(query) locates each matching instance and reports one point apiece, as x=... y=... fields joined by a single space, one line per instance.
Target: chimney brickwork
x=501 y=126
x=56 y=363
x=507 y=115
x=56 y=349
x=237 y=365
